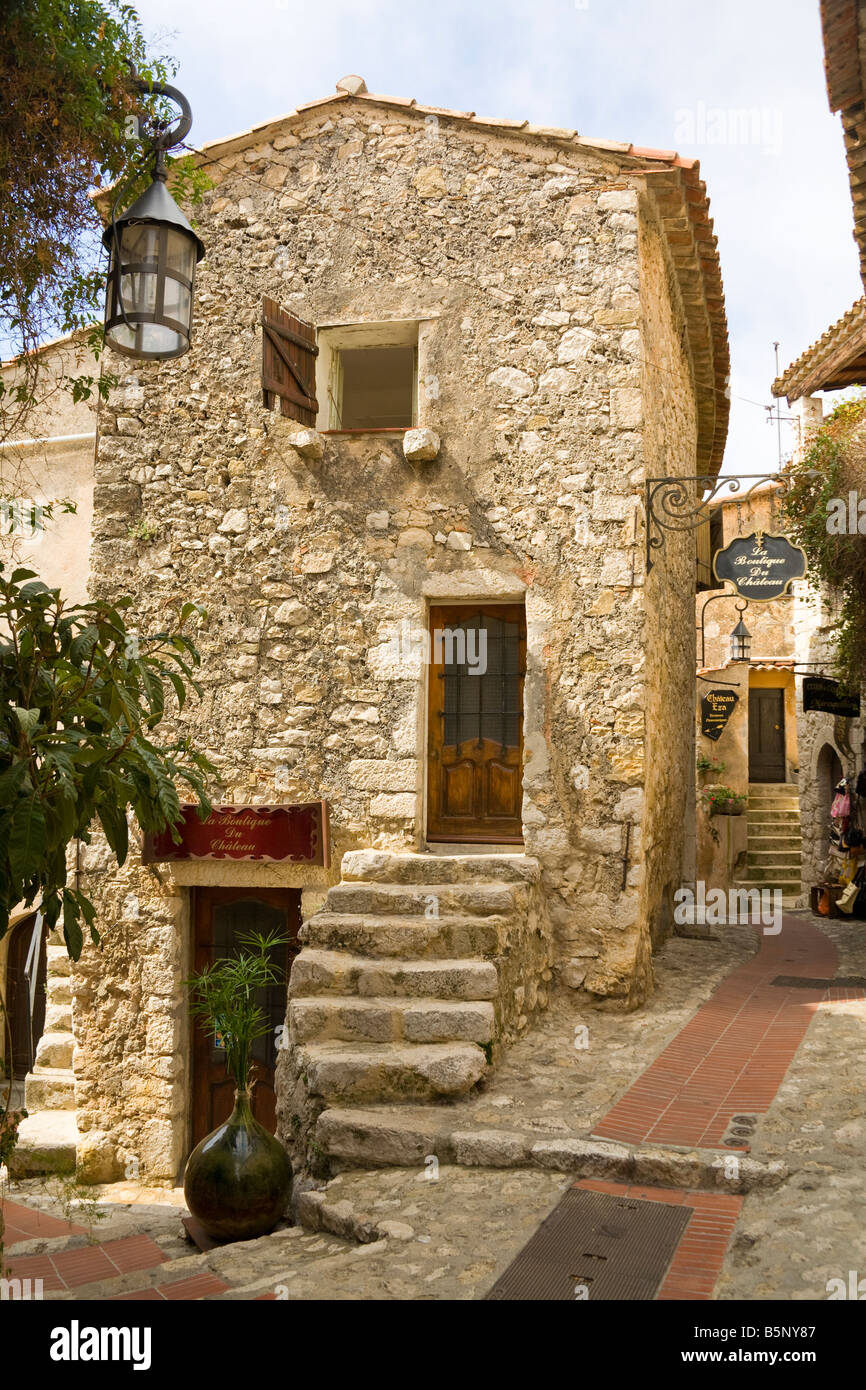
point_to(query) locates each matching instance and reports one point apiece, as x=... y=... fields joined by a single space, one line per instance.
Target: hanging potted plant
x=238 y=1179
x=724 y=801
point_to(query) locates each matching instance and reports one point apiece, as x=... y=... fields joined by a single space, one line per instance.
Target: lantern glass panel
x=180 y=254
x=139 y=245
x=139 y=293
x=177 y=302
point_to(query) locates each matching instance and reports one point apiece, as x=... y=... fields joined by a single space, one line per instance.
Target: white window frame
x=332 y=338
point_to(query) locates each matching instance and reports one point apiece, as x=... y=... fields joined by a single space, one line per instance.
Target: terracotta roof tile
x=842 y=344
x=844 y=28
x=642 y=152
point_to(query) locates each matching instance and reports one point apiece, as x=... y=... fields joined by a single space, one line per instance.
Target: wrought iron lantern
x=741 y=642
x=154 y=252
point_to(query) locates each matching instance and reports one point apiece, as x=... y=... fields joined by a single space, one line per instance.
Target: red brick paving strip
x=204 y=1285
x=25 y=1223
x=698 y=1258
x=732 y=1056
x=89 y=1264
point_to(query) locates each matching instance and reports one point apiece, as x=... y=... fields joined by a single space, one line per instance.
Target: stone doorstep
x=370 y=1138
x=47 y=1143
x=341 y=975
x=400 y=899
x=417 y=870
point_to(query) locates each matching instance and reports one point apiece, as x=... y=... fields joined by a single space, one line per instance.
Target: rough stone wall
x=815 y=635
x=670 y=438
x=527 y=277
x=42 y=461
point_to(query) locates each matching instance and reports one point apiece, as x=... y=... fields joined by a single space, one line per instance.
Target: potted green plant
x=723 y=801
x=238 y=1179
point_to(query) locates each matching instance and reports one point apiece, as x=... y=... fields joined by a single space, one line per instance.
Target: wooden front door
x=220 y=914
x=475 y=735
x=766 y=735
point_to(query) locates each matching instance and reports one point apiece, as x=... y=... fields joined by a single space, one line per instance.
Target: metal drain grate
x=616 y=1247
x=805 y=982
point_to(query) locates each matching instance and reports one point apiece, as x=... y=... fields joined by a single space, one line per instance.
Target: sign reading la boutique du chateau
x=759 y=566
x=272 y=834
x=717 y=706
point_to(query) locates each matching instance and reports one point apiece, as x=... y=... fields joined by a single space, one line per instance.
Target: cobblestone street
x=780 y=1221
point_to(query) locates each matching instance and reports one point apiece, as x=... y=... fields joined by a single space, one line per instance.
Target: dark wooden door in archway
x=220 y=915
x=475 y=739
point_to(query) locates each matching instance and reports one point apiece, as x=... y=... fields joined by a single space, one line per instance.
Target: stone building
x=784 y=757
x=47 y=465
x=498 y=332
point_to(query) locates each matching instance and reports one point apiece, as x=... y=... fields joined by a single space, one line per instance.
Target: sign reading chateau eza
x=759 y=566
x=267 y=833
x=717 y=706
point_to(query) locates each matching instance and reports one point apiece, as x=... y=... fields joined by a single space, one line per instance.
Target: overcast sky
x=671 y=74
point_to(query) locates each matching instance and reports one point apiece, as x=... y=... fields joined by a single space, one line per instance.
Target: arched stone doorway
x=828 y=771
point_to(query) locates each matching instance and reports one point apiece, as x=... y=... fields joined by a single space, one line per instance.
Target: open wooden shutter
x=289 y=363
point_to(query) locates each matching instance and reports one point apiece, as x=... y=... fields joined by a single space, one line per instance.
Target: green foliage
x=723 y=801
x=76 y=1202
x=223 y=996
x=71 y=121
x=833 y=466
x=81 y=697
x=705 y=764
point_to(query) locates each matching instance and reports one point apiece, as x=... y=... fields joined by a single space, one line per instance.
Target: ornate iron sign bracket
x=671 y=503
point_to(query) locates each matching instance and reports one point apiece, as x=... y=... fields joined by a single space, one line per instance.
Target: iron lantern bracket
x=672 y=504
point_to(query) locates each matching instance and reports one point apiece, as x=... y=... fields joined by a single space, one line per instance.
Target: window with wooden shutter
x=289 y=363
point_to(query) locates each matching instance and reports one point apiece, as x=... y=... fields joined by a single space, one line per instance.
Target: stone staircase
x=774 y=854
x=47 y=1138
x=416 y=974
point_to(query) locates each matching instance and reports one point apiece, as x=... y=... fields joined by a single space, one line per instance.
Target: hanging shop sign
x=822 y=694
x=717 y=706
x=270 y=834
x=759 y=566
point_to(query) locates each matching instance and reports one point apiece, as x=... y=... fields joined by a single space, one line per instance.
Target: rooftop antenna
x=778 y=411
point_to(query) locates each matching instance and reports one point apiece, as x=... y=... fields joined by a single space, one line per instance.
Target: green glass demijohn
x=238 y=1180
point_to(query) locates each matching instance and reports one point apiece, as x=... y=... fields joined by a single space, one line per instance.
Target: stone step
x=774 y=806
x=786 y=886
x=408 y=938
x=775 y=788
x=57 y=961
x=355 y=1074
x=770 y=817
x=46 y=1144
x=55 y=1050
x=338 y=972
x=760 y=857
x=58 y=1018
x=770 y=841
x=58 y=990
x=428 y=900
x=49 y=1088
x=405 y=1137
x=765 y=872
x=324 y=1018
x=378 y=866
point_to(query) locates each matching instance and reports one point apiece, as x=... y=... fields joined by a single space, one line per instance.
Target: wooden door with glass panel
x=220 y=916
x=475 y=734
